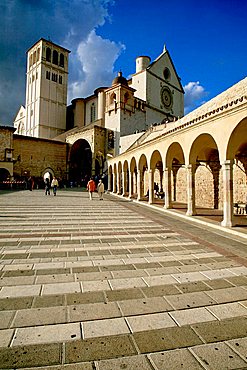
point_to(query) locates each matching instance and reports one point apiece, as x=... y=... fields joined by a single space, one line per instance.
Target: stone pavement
x=112 y=285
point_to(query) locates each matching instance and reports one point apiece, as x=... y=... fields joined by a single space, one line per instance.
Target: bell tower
x=46 y=89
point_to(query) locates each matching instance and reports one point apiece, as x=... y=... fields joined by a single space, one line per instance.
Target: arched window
x=30 y=60
x=126 y=97
x=34 y=57
x=48 y=75
x=92 y=113
x=61 y=61
x=48 y=54
x=38 y=54
x=55 y=57
x=113 y=98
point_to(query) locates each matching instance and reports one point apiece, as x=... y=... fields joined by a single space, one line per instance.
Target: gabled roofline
x=168 y=54
x=48 y=41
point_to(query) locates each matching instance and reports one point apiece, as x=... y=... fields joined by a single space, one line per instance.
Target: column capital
x=227 y=163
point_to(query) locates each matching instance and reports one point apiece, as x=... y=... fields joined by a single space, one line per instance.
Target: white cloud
x=95 y=60
x=194 y=93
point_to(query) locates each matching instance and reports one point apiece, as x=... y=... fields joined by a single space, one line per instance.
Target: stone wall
x=35 y=156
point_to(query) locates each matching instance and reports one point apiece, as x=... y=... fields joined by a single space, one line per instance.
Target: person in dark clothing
x=47 y=186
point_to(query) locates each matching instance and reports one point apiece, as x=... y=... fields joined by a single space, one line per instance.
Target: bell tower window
x=48 y=54
x=61 y=61
x=55 y=57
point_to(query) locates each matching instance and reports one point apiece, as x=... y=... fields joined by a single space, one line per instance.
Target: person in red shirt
x=91 y=188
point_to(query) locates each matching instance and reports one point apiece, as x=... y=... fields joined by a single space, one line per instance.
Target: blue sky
x=206 y=40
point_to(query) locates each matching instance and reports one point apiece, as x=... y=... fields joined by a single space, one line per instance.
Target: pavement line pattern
x=99 y=285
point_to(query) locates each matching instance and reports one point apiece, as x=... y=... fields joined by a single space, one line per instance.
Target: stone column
x=191 y=204
x=114 y=182
x=119 y=174
x=109 y=182
x=124 y=182
x=131 y=190
x=168 y=189
x=151 y=186
x=227 y=172
x=139 y=184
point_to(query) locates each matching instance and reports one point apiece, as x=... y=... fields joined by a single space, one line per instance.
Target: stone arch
x=4 y=174
x=80 y=161
x=156 y=164
x=126 y=177
x=142 y=171
x=237 y=153
x=133 y=177
x=204 y=157
x=175 y=162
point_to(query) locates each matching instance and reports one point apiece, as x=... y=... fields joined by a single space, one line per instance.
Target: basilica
x=133 y=132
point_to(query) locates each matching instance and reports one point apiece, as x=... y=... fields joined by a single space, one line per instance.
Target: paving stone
x=5 y=337
x=18 y=267
x=19 y=273
x=20 y=280
x=179 y=359
x=196 y=286
x=188 y=277
x=92 y=276
x=20 y=291
x=219 y=356
x=61 y=278
x=144 y=306
x=191 y=316
x=15 y=303
x=139 y=362
x=126 y=283
x=150 y=322
x=229 y=310
x=53 y=271
x=99 y=348
x=116 y=267
x=159 y=280
x=6 y=318
x=160 y=290
x=85 y=269
x=189 y=300
x=47 y=334
x=48 y=301
x=239 y=345
x=238 y=280
x=218 y=283
x=79 y=366
x=102 y=328
x=86 y=297
x=165 y=339
x=61 y=288
x=222 y=330
x=26 y=356
x=94 y=311
x=39 y=316
x=90 y=286
x=124 y=294
x=228 y=295
x=162 y=271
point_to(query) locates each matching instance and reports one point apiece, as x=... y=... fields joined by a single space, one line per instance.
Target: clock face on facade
x=166 y=97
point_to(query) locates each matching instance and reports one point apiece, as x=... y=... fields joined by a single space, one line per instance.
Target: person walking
x=91 y=187
x=47 y=186
x=54 y=185
x=100 y=189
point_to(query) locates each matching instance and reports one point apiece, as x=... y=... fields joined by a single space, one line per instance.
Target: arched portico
x=203 y=173
x=236 y=157
x=174 y=164
x=155 y=174
x=142 y=167
x=132 y=177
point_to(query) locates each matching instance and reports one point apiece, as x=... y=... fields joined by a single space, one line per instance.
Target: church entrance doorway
x=80 y=164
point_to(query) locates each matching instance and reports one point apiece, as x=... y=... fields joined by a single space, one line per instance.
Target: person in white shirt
x=100 y=189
